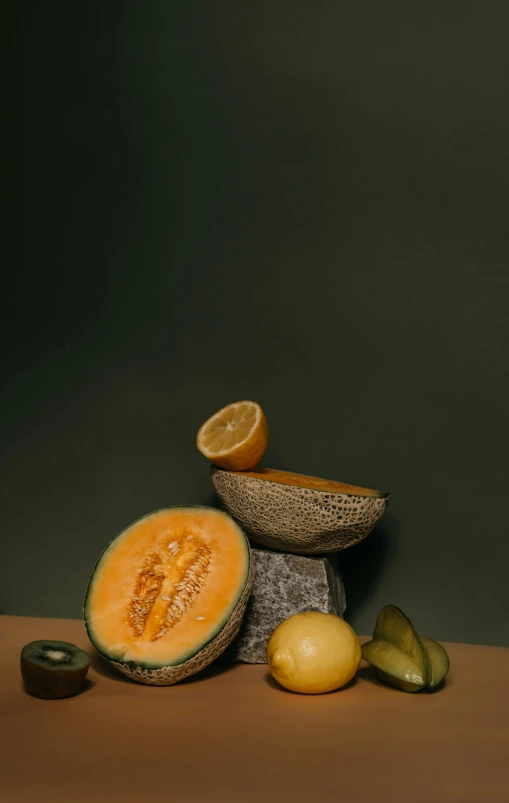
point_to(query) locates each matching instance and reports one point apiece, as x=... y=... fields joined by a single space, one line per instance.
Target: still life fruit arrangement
x=185 y=586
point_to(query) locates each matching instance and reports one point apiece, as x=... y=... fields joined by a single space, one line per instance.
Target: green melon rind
x=161 y=675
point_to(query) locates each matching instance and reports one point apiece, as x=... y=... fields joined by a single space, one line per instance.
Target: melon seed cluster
x=171 y=578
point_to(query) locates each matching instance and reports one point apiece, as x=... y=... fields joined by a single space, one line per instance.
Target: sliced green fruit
x=397 y=631
x=53 y=669
x=397 y=683
x=437 y=659
x=391 y=660
x=401 y=658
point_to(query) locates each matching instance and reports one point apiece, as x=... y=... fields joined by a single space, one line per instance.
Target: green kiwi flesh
x=53 y=669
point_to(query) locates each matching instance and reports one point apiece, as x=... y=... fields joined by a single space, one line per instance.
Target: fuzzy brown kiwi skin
x=51 y=684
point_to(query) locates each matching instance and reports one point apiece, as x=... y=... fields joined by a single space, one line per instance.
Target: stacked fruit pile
x=291 y=514
x=280 y=509
x=169 y=594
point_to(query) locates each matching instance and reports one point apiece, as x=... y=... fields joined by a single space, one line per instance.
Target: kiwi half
x=53 y=669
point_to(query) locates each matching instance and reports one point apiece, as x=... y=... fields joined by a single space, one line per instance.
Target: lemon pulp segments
x=235 y=437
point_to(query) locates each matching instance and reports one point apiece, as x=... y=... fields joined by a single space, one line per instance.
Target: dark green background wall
x=302 y=203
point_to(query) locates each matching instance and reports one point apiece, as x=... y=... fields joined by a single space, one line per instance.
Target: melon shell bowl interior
x=291 y=512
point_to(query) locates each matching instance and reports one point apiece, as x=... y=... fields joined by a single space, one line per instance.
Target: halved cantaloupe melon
x=168 y=594
x=293 y=512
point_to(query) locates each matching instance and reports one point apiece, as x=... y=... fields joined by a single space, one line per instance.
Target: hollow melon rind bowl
x=289 y=518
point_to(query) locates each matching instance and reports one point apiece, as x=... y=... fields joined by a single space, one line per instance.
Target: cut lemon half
x=235 y=437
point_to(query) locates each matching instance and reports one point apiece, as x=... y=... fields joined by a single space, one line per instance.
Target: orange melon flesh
x=134 y=612
x=305 y=481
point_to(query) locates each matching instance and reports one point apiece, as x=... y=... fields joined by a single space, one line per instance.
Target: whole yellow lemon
x=313 y=653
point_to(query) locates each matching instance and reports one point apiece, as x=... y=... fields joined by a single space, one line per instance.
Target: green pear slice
x=438 y=661
x=396 y=650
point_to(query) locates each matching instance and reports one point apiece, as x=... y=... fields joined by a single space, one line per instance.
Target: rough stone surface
x=284 y=585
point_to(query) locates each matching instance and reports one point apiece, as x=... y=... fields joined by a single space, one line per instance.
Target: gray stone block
x=285 y=585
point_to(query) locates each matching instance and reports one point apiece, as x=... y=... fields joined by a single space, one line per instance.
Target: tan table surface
x=233 y=735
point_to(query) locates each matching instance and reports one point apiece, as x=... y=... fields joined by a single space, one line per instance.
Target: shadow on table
x=367 y=673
